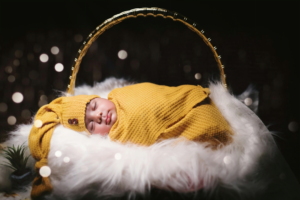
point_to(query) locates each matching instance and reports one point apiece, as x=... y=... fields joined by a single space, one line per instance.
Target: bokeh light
x=45 y=171
x=122 y=54
x=8 y=69
x=187 y=68
x=42 y=102
x=198 y=76
x=293 y=126
x=38 y=123
x=37 y=48
x=44 y=58
x=78 y=38
x=18 y=53
x=16 y=62
x=54 y=50
x=17 y=97
x=11 y=78
x=59 y=67
x=66 y=159
x=11 y=120
x=58 y=154
x=33 y=75
x=3 y=107
x=118 y=156
x=227 y=160
x=30 y=56
x=26 y=114
x=248 y=101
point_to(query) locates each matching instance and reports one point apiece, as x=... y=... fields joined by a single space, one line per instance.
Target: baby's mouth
x=108 y=118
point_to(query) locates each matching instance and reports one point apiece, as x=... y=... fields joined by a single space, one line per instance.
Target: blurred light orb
x=8 y=69
x=42 y=102
x=11 y=78
x=3 y=107
x=293 y=126
x=26 y=114
x=45 y=171
x=78 y=38
x=118 y=156
x=227 y=160
x=33 y=75
x=59 y=67
x=17 y=97
x=25 y=81
x=66 y=159
x=248 y=101
x=16 y=62
x=44 y=58
x=122 y=54
x=198 y=76
x=38 y=123
x=18 y=53
x=30 y=56
x=11 y=120
x=58 y=154
x=54 y=50
x=43 y=97
x=187 y=68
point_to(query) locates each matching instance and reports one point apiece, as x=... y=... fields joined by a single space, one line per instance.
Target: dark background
x=258 y=41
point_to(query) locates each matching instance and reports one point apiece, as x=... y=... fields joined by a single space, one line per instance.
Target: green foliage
x=16 y=157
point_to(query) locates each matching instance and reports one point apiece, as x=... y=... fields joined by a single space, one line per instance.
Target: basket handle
x=133 y=13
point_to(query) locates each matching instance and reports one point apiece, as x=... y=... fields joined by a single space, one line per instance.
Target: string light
x=17 y=97
x=11 y=120
x=122 y=54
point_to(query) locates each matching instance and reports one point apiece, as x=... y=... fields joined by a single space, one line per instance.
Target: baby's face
x=100 y=116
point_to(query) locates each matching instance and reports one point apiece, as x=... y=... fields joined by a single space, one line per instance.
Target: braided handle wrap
x=133 y=13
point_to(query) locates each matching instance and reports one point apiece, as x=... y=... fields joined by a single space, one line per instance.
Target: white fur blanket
x=82 y=164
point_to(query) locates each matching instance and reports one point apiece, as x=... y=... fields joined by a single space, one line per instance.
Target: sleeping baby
x=141 y=114
x=146 y=113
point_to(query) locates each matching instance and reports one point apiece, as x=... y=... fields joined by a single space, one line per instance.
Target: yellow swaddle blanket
x=148 y=113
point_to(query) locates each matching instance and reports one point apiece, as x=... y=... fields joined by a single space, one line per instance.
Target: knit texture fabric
x=148 y=113
x=61 y=110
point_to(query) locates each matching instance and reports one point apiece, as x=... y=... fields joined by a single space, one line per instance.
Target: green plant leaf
x=15 y=156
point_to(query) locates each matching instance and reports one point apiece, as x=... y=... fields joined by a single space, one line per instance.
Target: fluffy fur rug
x=82 y=164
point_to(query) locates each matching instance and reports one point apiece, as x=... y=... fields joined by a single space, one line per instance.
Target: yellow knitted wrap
x=58 y=111
x=148 y=113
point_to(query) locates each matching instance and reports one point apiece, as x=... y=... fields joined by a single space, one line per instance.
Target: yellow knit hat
x=68 y=111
